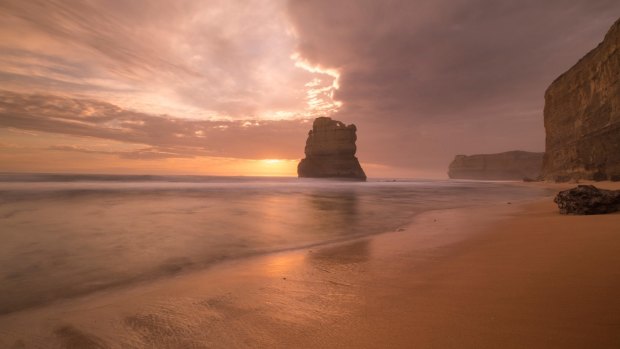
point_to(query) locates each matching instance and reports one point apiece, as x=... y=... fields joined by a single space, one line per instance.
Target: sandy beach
x=516 y=275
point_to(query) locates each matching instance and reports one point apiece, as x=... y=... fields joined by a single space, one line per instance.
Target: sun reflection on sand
x=280 y=265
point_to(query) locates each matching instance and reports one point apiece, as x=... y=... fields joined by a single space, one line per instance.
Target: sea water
x=69 y=235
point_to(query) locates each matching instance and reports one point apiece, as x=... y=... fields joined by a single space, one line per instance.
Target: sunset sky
x=226 y=87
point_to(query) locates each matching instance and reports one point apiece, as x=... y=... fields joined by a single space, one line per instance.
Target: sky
x=230 y=87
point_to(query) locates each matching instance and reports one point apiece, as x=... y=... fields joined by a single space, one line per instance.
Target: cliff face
x=582 y=116
x=512 y=165
x=330 y=151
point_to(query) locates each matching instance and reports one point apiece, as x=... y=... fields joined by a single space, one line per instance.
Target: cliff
x=582 y=116
x=512 y=165
x=330 y=151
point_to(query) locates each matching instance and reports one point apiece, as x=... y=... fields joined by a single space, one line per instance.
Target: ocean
x=69 y=235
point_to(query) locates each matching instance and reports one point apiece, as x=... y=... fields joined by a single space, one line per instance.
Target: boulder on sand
x=588 y=199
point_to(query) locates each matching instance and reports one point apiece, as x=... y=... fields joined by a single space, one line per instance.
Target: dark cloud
x=425 y=80
x=165 y=136
x=150 y=153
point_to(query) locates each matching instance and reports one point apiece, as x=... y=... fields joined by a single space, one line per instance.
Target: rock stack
x=330 y=151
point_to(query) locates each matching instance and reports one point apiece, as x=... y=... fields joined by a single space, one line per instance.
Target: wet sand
x=515 y=275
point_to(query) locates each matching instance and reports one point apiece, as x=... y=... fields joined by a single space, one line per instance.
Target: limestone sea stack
x=511 y=165
x=330 y=151
x=582 y=117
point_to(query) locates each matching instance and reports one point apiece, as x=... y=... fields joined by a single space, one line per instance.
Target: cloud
x=217 y=59
x=165 y=136
x=425 y=80
x=149 y=153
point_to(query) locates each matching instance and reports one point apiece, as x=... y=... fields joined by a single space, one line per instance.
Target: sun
x=271 y=161
x=273 y=167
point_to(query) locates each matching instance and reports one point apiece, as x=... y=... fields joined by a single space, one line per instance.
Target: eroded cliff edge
x=511 y=165
x=330 y=151
x=582 y=117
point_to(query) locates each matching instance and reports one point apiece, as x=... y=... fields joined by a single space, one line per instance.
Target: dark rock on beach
x=587 y=200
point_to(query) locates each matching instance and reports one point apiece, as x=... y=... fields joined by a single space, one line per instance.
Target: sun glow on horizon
x=272 y=161
x=273 y=167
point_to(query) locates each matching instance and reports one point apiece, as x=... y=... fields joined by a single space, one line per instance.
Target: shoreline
x=357 y=220
x=505 y=275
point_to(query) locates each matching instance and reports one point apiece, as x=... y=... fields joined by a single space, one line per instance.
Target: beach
x=309 y=174
x=510 y=275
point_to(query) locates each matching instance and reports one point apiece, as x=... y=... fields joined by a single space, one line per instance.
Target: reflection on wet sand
x=348 y=253
x=281 y=298
x=339 y=209
x=343 y=203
